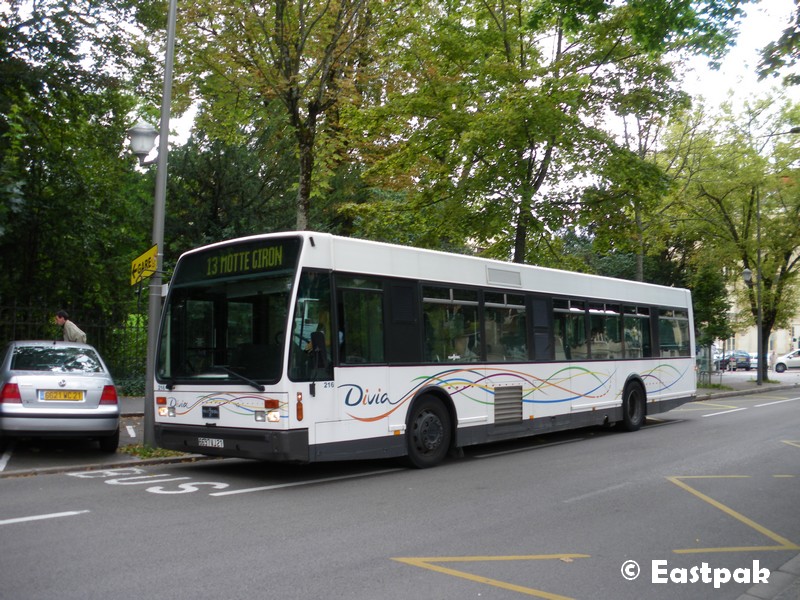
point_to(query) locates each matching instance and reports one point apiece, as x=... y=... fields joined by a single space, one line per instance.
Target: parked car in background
x=788 y=361
x=57 y=389
x=754 y=360
x=738 y=359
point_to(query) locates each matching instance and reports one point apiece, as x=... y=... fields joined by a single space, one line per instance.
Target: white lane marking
x=131 y=431
x=777 y=402
x=301 y=483
x=71 y=513
x=6 y=457
x=724 y=412
x=597 y=492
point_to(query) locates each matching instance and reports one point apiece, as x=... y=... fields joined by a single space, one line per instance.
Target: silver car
x=57 y=389
x=788 y=361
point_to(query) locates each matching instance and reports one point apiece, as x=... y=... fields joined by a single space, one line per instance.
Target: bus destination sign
x=239 y=262
x=246 y=258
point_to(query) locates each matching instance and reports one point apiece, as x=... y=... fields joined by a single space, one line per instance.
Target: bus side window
x=312 y=314
x=361 y=335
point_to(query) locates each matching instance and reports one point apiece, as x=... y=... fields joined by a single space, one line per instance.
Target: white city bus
x=310 y=347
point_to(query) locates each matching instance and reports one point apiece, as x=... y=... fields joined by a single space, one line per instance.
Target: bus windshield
x=230 y=330
x=226 y=315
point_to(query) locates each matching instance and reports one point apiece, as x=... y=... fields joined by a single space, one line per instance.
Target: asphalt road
x=561 y=516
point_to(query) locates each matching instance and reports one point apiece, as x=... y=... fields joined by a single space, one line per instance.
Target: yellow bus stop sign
x=144 y=266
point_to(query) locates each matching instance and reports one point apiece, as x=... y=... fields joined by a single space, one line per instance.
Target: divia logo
x=355 y=395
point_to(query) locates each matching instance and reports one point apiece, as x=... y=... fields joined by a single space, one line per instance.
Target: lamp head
x=142 y=138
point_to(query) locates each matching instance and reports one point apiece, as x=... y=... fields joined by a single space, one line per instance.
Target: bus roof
x=327 y=251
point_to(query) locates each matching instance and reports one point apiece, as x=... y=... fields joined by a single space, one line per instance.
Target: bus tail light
x=271 y=414
x=163 y=409
x=299 y=407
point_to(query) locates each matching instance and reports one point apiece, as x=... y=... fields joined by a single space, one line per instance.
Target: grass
x=713 y=386
x=142 y=451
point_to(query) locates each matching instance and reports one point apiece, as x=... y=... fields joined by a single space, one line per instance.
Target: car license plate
x=61 y=395
x=211 y=442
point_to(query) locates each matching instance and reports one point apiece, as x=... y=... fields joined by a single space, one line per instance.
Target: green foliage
x=736 y=195
x=781 y=55
x=711 y=305
x=220 y=190
x=303 y=56
x=71 y=209
x=145 y=452
x=481 y=120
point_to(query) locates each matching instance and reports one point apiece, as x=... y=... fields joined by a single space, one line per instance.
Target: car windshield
x=55 y=359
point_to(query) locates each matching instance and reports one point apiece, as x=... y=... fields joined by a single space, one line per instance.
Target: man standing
x=72 y=332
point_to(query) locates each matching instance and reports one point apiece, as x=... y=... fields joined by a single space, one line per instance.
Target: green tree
x=70 y=209
x=739 y=194
x=781 y=55
x=219 y=191
x=303 y=55
x=711 y=305
x=492 y=110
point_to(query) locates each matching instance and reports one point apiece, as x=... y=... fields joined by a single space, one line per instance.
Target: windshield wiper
x=240 y=377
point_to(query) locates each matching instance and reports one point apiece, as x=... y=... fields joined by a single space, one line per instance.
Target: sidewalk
x=732 y=383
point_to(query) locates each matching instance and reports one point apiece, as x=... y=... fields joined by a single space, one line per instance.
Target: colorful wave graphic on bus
x=238 y=404
x=564 y=385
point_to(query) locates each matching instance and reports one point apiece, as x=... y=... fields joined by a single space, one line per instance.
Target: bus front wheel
x=429 y=433
x=633 y=407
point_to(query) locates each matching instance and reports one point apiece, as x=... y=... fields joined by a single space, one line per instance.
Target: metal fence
x=119 y=335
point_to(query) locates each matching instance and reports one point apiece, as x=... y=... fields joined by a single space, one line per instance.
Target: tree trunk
x=306 y=149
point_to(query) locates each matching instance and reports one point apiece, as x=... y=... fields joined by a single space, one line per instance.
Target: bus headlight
x=274 y=416
x=261 y=416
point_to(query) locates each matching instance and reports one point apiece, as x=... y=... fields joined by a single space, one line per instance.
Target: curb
x=745 y=392
x=784 y=584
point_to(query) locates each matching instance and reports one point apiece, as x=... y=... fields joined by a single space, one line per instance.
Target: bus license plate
x=211 y=442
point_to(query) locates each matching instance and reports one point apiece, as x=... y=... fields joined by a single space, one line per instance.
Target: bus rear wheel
x=429 y=433
x=633 y=407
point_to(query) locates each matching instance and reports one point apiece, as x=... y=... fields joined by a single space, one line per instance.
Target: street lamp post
x=139 y=135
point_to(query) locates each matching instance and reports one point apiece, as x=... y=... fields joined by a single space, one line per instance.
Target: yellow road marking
x=795 y=443
x=430 y=564
x=784 y=544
